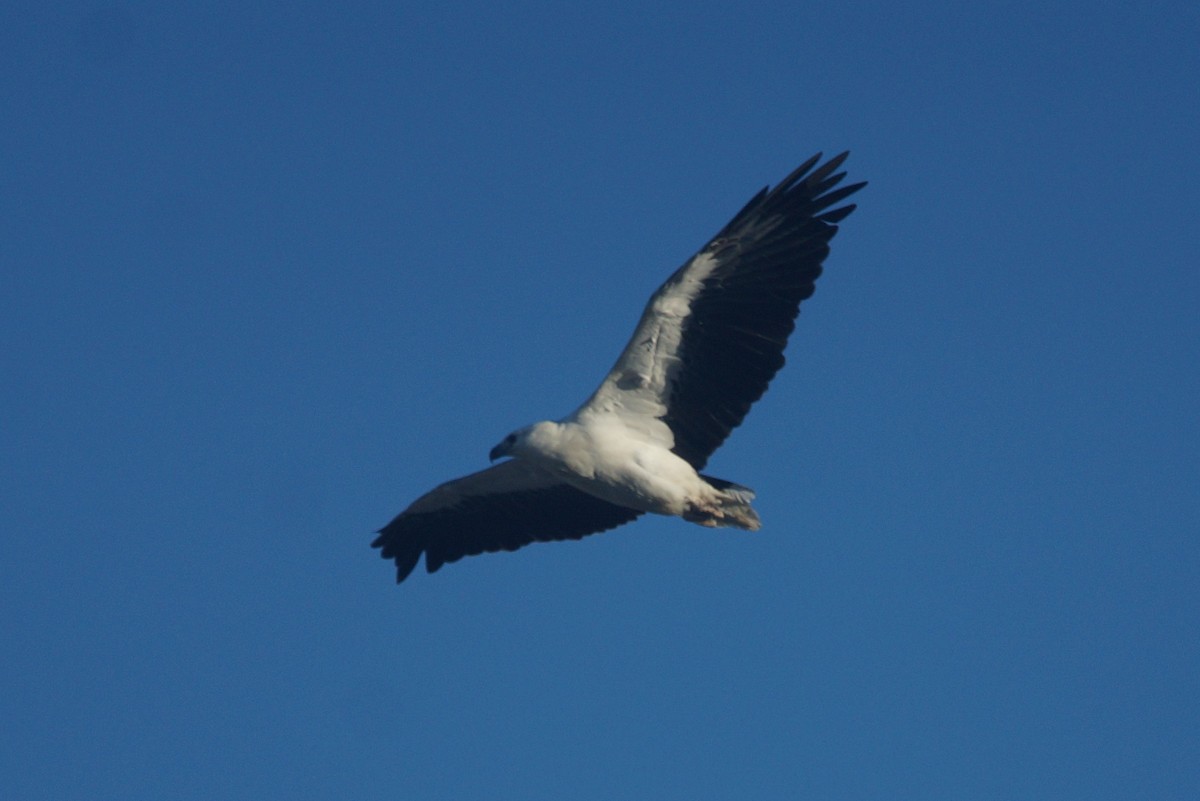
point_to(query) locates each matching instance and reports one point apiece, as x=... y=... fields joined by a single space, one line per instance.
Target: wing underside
x=502 y=508
x=712 y=337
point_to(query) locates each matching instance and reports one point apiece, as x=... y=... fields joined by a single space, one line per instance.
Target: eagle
x=709 y=342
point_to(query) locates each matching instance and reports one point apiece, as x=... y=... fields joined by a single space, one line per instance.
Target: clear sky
x=271 y=272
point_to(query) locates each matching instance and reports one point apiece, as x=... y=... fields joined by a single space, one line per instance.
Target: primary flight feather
x=709 y=342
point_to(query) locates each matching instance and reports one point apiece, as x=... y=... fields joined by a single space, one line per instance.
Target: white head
x=516 y=443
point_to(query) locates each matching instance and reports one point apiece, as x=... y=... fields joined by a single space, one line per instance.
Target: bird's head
x=505 y=448
x=528 y=441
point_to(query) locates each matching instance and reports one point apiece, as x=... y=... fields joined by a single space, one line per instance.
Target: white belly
x=607 y=460
x=641 y=476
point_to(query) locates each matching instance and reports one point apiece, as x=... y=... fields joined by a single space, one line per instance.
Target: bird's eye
x=510 y=439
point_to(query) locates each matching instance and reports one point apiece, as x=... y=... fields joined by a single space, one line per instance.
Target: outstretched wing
x=499 y=509
x=712 y=337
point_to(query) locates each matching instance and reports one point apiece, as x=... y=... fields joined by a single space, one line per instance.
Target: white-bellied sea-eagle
x=708 y=343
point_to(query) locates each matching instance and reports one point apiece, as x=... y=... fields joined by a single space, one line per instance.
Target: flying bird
x=708 y=343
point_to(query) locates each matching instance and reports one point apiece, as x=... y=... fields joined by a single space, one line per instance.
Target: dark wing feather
x=499 y=509
x=768 y=258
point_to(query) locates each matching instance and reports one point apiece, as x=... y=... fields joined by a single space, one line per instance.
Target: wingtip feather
x=393 y=546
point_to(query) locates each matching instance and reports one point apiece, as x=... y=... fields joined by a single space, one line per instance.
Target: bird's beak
x=497 y=452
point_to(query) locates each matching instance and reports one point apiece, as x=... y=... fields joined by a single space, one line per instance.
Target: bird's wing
x=498 y=509
x=712 y=337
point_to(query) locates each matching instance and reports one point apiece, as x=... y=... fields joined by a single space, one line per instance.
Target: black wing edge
x=785 y=229
x=770 y=200
x=491 y=523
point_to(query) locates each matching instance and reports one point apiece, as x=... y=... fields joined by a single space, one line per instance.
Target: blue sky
x=269 y=273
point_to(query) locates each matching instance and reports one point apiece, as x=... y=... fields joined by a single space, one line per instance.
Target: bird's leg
x=709 y=515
